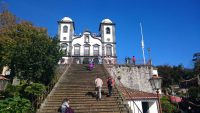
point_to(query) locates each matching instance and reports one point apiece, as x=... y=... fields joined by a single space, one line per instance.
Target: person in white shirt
x=65 y=105
x=98 y=83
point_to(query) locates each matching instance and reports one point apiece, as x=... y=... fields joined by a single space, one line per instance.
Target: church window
x=108 y=50
x=96 y=51
x=77 y=50
x=107 y=30
x=65 y=29
x=64 y=38
x=86 y=50
x=86 y=38
x=64 y=48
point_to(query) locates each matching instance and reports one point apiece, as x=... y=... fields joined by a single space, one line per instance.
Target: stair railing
x=122 y=86
x=42 y=98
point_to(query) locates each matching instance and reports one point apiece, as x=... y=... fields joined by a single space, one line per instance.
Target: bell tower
x=107 y=30
x=65 y=34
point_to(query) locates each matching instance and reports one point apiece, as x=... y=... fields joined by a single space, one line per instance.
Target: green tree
x=34 y=90
x=194 y=93
x=13 y=91
x=196 y=60
x=7 y=44
x=7 y=18
x=31 y=54
x=15 y=105
x=167 y=107
x=29 y=51
x=172 y=75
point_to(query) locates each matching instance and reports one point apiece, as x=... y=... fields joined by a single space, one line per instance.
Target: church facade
x=81 y=48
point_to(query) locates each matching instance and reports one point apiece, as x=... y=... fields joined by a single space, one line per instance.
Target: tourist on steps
x=65 y=108
x=64 y=105
x=110 y=84
x=91 y=66
x=98 y=84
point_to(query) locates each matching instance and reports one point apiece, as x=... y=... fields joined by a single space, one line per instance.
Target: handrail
x=122 y=87
x=40 y=99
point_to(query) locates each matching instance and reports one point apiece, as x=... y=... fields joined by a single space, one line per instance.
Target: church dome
x=106 y=21
x=66 y=19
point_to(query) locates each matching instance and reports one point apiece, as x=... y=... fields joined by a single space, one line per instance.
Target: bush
x=167 y=107
x=194 y=92
x=15 y=105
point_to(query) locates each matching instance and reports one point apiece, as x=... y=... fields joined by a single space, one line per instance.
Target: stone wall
x=134 y=77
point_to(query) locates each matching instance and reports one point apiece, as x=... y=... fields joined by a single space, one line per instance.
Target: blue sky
x=171 y=28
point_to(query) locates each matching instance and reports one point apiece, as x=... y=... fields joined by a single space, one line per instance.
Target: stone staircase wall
x=133 y=77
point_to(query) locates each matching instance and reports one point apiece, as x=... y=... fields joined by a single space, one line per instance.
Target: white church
x=81 y=48
x=87 y=45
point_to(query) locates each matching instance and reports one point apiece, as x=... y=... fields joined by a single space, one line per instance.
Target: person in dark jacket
x=110 y=83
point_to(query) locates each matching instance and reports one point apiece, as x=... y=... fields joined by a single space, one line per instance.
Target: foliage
x=28 y=91
x=35 y=89
x=196 y=59
x=28 y=50
x=31 y=55
x=171 y=75
x=12 y=91
x=16 y=90
x=7 y=18
x=194 y=92
x=167 y=107
x=15 y=105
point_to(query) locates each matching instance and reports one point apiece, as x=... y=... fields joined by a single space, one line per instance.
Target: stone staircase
x=78 y=85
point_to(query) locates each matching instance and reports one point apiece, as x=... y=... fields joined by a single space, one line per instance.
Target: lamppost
x=149 y=52
x=156 y=85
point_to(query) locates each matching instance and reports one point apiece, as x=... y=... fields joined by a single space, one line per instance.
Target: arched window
x=77 y=49
x=65 y=29
x=107 y=30
x=64 y=38
x=86 y=38
x=64 y=48
x=108 y=50
x=96 y=51
x=87 y=51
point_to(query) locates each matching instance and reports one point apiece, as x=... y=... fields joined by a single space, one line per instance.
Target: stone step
x=83 y=87
x=78 y=85
x=84 y=112
x=55 y=111
x=81 y=94
x=84 y=102
x=104 y=87
x=90 y=110
x=80 y=106
x=81 y=98
x=95 y=103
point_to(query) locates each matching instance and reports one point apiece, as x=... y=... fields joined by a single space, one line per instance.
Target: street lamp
x=149 y=50
x=156 y=85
